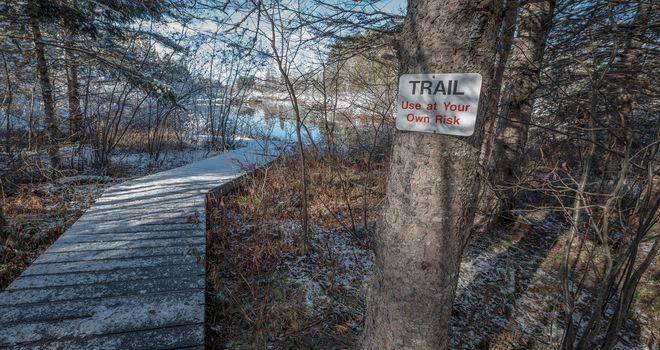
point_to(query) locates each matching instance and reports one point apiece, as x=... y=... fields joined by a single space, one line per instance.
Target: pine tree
x=518 y=94
x=35 y=13
x=432 y=185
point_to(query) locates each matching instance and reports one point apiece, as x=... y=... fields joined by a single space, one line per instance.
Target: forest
x=344 y=205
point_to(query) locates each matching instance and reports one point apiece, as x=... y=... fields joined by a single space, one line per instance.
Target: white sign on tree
x=438 y=103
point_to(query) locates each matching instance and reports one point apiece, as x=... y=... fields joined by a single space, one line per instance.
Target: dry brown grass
x=37 y=220
x=136 y=140
x=251 y=302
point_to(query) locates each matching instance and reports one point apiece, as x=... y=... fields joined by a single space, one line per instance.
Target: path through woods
x=130 y=272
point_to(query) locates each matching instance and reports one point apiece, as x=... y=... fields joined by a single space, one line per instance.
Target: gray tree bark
x=488 y=201
x=73 y=95
x=50 y=118
x=432 y=185
x=523 y=80
x=4 y=225
x=504 y=46
x=7 y=102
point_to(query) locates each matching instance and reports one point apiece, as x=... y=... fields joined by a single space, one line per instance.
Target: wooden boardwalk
x=129 y=274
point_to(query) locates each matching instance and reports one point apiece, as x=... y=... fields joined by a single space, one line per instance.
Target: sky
x=199 y=34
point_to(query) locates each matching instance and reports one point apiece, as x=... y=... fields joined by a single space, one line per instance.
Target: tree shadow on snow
x=506 y=262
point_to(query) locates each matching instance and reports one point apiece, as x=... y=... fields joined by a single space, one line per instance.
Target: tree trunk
x=488 y=202
x=293 y=98
x=301 y=151
x=432 y=185
x=5 y=228
x=50 y=119
x=7 y=101
x=523 y=80
x=73 y=95
x=4 y=225
x=504 y=46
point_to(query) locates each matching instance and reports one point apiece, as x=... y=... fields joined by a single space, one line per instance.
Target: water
x=274 y=121
x=258 y=123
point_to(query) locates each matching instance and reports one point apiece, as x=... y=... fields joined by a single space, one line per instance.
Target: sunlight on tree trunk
x=432 y=186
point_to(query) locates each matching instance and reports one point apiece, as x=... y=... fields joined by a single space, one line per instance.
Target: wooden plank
x=142 y=230
x=184 y=336
x=133 y=236
x=174 y=211
x=163 y=199
x=144 y=218
x=132 y=224
x=149 y=187
x=52 y=257
x=20 y=297
x=87 y=308
x=153 y=197
x=113 y=228
x=172 y=271
x=59 y=247
x=152 y=208
x=105 y=265
x=100 y=316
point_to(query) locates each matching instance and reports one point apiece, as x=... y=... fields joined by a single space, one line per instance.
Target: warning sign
x=438 y=103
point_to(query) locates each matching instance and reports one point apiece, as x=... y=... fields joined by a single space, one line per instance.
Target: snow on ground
x=335 y=261
x=508 y=291
x=506 y=295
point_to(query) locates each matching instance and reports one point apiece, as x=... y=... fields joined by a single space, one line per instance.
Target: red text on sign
x=439 y=119
x=455 y=107
x=418 y=118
